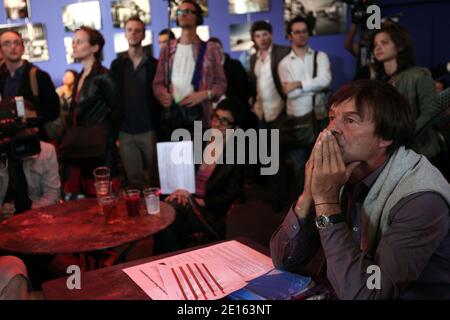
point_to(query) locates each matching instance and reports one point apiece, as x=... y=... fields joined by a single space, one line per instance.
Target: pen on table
x=196 y=281
x=188 y=282
x=206 y=280
x=179 y=284
x=148 y=277
x=213 y=279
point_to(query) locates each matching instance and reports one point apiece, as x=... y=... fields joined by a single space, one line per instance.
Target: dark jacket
x=238 y=85
x=223 y=188
x=47 y=102
x=277 y=54
x=117 y=73
x=94 y=101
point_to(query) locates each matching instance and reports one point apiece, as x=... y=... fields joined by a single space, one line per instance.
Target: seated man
x=13 y=279
x=28 y=182
x=378 y=210
x=217 y=187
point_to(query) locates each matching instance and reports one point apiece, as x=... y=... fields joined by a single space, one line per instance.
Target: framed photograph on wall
x=240 y=38
x=34 y=40
x=121 y=44
x=69 y=50
x=17 y=9
x=325 y=16
x=82 y=14
x=203 y=4
x=202 y=31
x=247 y=6
x=122 y=10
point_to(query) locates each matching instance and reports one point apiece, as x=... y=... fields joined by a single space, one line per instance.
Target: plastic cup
x=132 y=201
x=101 y=174
x=103 y=188
x=109 y=208
x=151 y=196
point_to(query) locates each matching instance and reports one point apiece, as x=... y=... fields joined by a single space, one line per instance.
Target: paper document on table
x=209 y=280
x=244 y=261
x=176 y=166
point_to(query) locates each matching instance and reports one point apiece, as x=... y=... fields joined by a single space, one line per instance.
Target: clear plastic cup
x=102 y=189
x=151 y=196
x=102 y=174
x=109 y=208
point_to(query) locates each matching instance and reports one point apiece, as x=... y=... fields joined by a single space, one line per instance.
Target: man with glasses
x=18 y=77
x=185 y=87
x=137 y=112
x=302 y=87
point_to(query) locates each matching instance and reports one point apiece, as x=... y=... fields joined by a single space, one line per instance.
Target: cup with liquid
x=151 y=196
x=132 y=200
x=109 y=208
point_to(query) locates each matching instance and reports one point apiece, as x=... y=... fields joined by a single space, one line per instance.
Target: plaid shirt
x=212 y=74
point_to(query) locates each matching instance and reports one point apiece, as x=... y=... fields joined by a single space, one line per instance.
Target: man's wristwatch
x=324 y=221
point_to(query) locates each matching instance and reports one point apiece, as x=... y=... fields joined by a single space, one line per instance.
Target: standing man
x=165 y=36
x=136 y=113
x=185 y=87
x=270 y=98
x=302 y=87
x=18 y=77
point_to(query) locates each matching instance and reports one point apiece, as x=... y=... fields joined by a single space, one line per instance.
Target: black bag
x=177 y=116
x=297 y=132
x=85 y=142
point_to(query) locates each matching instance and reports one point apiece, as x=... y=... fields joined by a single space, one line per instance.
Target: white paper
x=176 y=166
x=244 y=261
x=210 y=280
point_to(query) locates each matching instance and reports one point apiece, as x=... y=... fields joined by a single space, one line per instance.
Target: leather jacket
x=96 y=98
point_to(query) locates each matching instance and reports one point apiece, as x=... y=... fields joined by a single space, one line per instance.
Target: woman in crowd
x=217 y=186
x=394 y=63
x=91 y=104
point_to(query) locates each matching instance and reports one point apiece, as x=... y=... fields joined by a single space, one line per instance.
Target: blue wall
x=428 y=21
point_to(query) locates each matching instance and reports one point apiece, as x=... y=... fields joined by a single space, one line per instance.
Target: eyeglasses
x=222 y=121
x=297 y=32
x=179 y=12
x=9 y=43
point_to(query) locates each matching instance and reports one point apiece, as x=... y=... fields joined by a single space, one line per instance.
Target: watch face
x=322 y=221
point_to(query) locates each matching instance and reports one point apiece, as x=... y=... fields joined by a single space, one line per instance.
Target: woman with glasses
x=218 y=186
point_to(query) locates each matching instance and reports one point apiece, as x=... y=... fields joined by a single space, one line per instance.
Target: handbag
x=84 y=142
x=177 y=116
x=297 y=132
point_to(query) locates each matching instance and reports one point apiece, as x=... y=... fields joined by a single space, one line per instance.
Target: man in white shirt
x=302 y=88
x=270 y=99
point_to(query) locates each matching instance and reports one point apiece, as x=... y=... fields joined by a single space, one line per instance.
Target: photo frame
x=34 y=37
x=17 y=9
x=240 y=38
x=78 y=14
x=248 y=6
x=122 y=10
x=325 y=17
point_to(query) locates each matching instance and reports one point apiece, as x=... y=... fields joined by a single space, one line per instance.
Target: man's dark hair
x=298 y=19
x=137 y=19
x=168 y=32
x=198 y=11
x=235 y=107
x=215 y=40
x=260 y=25
x=381 y=102
x=95 y=38
x=12 y=31
x=405 y=50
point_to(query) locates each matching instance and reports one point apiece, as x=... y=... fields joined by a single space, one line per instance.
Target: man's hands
x=182 y=197
x=325 y=174
x=290 y=86
x=194 y=98
x=7 y=210
x=166 y=100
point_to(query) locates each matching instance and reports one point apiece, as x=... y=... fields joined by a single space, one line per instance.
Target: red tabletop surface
x=76 y=227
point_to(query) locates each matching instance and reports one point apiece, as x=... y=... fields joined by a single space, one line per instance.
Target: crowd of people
x=367 y=162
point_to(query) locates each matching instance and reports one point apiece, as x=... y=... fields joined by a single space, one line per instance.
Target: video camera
x=359 y=10
x=17 y=141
